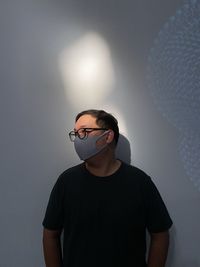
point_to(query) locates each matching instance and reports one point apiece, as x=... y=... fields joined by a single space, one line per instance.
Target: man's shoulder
x=133 y=170
x=71 y=172
x=136 y=176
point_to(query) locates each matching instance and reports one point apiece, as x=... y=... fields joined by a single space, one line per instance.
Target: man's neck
x=103 y=165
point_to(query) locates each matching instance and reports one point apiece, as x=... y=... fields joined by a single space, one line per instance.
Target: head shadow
x=123 y=149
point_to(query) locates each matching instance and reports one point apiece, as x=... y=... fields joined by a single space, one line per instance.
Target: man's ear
x=110 y=136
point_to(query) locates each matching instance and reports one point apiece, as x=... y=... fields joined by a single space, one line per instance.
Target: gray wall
x=36 y=115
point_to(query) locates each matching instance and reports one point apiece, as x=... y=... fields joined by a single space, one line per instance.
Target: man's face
x=88 y=121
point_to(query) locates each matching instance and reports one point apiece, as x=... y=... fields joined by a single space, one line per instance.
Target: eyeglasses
x=82 y=133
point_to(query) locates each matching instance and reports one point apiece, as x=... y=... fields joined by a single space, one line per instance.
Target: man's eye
x=88 y=130
x=81 y=131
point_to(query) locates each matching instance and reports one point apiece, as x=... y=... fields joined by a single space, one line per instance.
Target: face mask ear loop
x=107 y=131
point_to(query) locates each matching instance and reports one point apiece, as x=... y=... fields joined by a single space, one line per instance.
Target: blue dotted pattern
x=173 y=77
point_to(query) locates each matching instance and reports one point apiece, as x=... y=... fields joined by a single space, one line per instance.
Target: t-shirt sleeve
x=54 y=215
x=157 y=216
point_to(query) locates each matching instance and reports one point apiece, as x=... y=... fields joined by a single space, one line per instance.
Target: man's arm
x=158 y=249
x=52 y=248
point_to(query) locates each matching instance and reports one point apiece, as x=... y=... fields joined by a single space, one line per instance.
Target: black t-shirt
x=105 y=218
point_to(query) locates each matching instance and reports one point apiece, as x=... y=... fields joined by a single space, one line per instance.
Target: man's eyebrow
x=82 y=126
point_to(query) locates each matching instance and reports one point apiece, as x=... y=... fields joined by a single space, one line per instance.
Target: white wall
x=36 y=116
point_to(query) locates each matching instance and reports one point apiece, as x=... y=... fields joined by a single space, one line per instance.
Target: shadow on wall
x=123 y=150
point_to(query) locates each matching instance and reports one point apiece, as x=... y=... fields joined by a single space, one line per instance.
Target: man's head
x=102 y=119
x=95 y=131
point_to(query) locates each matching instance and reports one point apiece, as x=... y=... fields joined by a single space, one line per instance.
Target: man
x=104 y=206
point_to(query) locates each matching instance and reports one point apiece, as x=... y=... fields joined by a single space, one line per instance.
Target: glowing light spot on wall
x=87 y=70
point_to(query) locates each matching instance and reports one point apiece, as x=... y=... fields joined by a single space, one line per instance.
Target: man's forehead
x=85 y=121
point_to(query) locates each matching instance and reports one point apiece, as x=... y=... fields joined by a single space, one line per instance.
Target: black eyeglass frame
x=85 y=132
